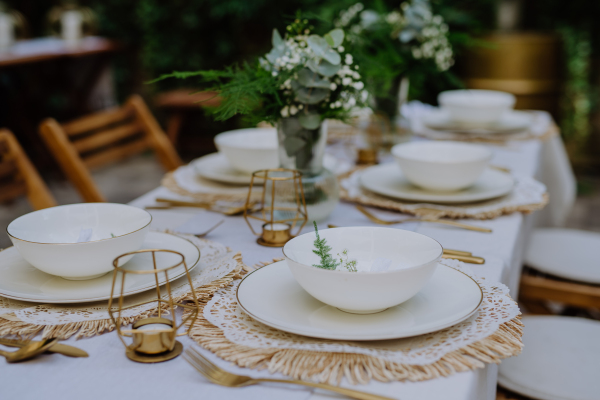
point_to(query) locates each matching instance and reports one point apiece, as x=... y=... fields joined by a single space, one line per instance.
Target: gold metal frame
x=265 y=211
x=153 y=345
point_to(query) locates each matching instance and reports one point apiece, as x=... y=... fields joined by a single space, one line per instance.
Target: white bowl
x=441 y=166
x=251 y=149
x=413 y=259
x=48 y=238
x=480 y=107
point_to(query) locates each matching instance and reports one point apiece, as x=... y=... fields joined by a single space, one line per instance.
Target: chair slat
x=8 y=168
x=107 y=137
x=572 y=293
x=116 y=153
x=11 y=190
x=96 y=121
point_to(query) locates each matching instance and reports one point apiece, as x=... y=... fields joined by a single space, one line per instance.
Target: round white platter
x=272 y=296
x=513 y=121
x=559 y=360
x=21 y=281
x=566 y=253
x=388 y=180
x=215 y=167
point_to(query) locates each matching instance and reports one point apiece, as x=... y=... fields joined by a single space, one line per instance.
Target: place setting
x=345 y=301
x=443 y=179
x=227 y=174
x=478 y=115
x=69 y=263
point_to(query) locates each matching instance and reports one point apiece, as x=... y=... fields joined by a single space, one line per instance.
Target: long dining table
x=108 y=374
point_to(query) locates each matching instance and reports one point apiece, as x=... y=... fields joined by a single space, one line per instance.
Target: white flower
x=349 y=59
x=300 y=106
x=293 y=110
x=274 y=73
x=359 y=85
x=346 y=81
x=285 y=112
x=341 y=49
x=333 y=86
x=351 y=102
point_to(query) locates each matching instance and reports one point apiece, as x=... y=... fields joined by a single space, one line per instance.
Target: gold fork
x=422 y=219
x=218 y=375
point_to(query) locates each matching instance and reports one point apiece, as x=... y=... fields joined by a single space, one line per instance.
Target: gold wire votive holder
x=153 y=337
x=282 y=207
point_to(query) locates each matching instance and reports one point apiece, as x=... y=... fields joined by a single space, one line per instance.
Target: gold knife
x=60 y=348
x=467 y=259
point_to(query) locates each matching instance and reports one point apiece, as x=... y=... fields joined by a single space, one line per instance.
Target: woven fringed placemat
x=528 y=196
x=226 y=193
x=91 y=319
x=332 y=367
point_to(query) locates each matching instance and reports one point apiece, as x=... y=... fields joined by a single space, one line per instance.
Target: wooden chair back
x=18 y=176
x=105 y=137
x=537 y=288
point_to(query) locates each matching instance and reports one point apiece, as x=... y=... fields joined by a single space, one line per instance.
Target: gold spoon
x=29 y=351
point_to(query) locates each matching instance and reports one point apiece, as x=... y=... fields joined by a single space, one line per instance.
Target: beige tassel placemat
x=490 y=335
x=219 y=266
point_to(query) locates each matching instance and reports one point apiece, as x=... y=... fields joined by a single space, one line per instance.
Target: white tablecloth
x=108 y=374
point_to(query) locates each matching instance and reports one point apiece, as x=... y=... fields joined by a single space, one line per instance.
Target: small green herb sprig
x=322 y=250
x=327 y=260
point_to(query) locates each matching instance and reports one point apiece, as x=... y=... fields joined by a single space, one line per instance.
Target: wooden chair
x=18 y=176
x=556 y=257
x=103 y=138
x=178 y=102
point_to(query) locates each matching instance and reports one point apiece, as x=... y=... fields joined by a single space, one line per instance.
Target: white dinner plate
x=21 y=281
x=567 y=253
x=559 y=360
x=216 y=168
x=388 y=180
x=272 y=296
x=513 y=121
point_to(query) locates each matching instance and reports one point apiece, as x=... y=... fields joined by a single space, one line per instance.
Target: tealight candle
x=155 y=327
x=276 y=233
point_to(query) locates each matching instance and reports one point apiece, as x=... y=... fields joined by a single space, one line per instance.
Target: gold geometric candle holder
x=282 y=207
x=154 y=337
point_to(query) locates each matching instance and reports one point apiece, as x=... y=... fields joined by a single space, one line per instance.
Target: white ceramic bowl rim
x=91 y=241
x=486 y=154
x=369 y=272
x=241 y=132
x=459 y=98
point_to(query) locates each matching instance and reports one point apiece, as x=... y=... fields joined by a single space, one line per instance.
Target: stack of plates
x=511 y=122
x=215 y=167
x=21 y=281
x=272 y=296
x=388 y=180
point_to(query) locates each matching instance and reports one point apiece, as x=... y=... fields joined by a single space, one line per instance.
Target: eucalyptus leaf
x=311 y=95
x=310 y=120
x=322 y=49
x=296 y=85
x=335 y=37
x=323 y=67
x=308 y=78
x=278 y=42
x=292 y=144
x=332 y=56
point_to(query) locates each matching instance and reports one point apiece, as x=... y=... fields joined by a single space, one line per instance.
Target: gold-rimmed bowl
x=79 y=241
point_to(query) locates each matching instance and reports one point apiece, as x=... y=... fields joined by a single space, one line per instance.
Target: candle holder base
x=262 y=242
x=155 y=358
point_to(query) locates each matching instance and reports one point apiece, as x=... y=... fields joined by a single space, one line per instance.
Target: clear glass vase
x=304 y=149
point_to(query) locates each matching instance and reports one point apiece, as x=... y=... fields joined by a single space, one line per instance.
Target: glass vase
x=304 y=149
x=387 y=126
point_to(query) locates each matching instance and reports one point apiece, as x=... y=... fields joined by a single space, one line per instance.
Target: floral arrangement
x=306 y=76
x=327 y=261
x=390 y=44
